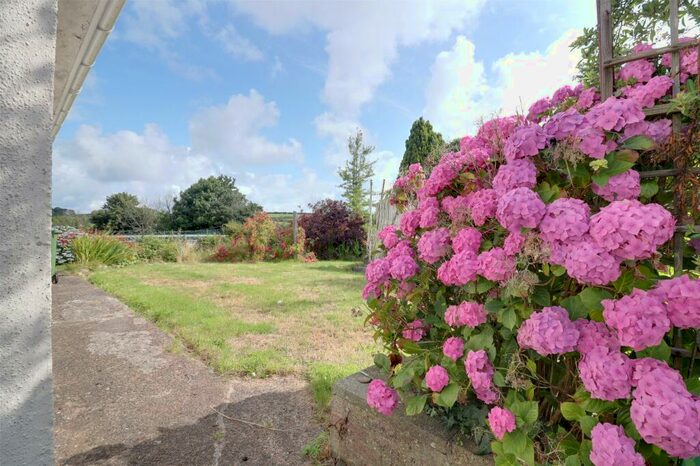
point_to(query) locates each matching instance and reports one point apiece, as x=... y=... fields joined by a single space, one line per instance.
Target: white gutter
x=100 y=26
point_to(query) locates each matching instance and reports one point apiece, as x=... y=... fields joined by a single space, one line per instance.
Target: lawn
x=255 y=319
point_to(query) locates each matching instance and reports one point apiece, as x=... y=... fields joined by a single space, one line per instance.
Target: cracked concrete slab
x=122 y=399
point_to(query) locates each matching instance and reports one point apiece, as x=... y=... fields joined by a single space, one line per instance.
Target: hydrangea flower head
x=587 y=98
x=591 y=264
x=681 y=296
x=623 y=186
x=467 y=239
x=437 y=378
x=593 y=142
x=457 y=207
x=453 y=348
x=466 y=313
x=641 y=367
x=640 y=71
x=382 y=397
x=593 y=334
x=611 y=447
x=630 y=229
x=482 y=205
x=501 y=421
x=565 y=220
x=434 y=244
x=514 y=243
x=526 y=141
x=480 y=372
x=520 y=208
x=565 y=92
x=520 y=173
x=403 y=266
x=414 y=331
x=689 y=60
x=666 y=414
x=639 y=319
x=461 y=269
x=409 y=222
x=388 y=236
x=647 y=94
x=495 y=264
x=606 y=373
x=614 y=114
x=377 y=271
x=564 y=124
x=429 y=209
x=538 y=108
x=549 y=331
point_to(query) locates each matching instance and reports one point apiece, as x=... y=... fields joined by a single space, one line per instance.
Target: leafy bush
x=527 y=279
x=65 y=236
x=260 y=238
x=333 y=231
x=151 y=248
x=102 y=249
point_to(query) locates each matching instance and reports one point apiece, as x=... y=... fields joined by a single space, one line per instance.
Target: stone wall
x=361 y=436
x=27 y=51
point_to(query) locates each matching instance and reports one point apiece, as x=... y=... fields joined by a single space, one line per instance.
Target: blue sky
x=269 y=91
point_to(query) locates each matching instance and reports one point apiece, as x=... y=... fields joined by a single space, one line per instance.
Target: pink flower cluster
x=549 y=331
x=639 y=319
x=467 y=239
x=466 y=313
x=480 y=373
x=689 y=61
x=520 y=173
x=564 y=124
x=382 y=397
x=593 y=334
x=388 y=236
x=457 y=207
x=520 y=208
x=437 y=378
x=623 y=186
x=665 y=413
x=681 y=296
x=461 y=269
x=434 y=244
x=429 y=209
x=501 y=421
x=565 y=221
x=526 y=141
x=614 y=114
x=453 y=348
x=482 y=205
x=606 y=373
x=496 y=264
x=639 y=71
x=611 y=447
x=414 y=331
x=647 y=94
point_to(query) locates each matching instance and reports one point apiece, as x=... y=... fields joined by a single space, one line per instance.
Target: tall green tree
x=421 y=143
x=634 y=22
x=210 y=203
x=123 y=213
x=356 y=173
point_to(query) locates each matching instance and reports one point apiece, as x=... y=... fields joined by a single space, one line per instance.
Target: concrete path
x=120 y=398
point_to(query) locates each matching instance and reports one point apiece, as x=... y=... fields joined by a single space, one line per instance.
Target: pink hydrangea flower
x=513 y=243
x=659 y=131
x=593 y=334
x=405 y=288
x=591 y=264
x=495 y=264
x=623 y=186
x=433 y=245
x=666 y=414
x=437 y=378
x=549 y=331
x=444 y=172
x=457 y=207
x=565 y=92
x=639 y=319
x=461 y=269
x=538 y=108
x=641 y=367
x=501 y=421
x=647 y=94
x=588 y=98
x=614 y=114
x=689 y=60
x=593 y=142
x=466 y=313
x=516 y=174
x=480 y=372
x=640 y=71
x=520 y=208
x=525 y=141
x=564 y=124
x=565 y=220
x=429 y=209
x=388 y=236
x=611 y=447
x=409 y=222
x=453 y=348
x=482 y=205
x=370 y=291
x=377 y=271
x=467 y=239
x=414 y=331
x=403 y=267
x=606 y=373
x=382 y=397
x=412 y=180
x=494 y=133
x=630 y=229
x=681 y=295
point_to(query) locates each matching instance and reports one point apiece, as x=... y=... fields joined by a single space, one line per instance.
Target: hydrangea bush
x=532 y=273
x=64 y=237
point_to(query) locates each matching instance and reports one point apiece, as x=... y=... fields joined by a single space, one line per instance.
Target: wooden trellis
x=607 y=63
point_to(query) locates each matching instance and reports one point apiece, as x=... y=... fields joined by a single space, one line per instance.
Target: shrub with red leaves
x=333 y=231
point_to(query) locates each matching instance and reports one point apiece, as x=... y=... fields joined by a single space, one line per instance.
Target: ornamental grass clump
x=530 y=290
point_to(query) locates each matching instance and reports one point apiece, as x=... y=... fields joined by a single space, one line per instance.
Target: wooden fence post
x=605 y=47
x=294 y=227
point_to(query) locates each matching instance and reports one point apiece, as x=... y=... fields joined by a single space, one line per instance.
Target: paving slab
x=121 y=398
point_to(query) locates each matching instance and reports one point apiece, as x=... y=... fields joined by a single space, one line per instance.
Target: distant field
x=255 y=319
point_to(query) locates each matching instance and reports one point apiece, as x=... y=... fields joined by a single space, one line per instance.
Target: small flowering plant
x=532 y=273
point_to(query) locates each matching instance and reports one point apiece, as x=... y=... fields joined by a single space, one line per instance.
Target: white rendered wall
x=27 y=54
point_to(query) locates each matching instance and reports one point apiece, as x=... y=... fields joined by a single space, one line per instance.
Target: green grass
x=318 y=449
x=255 y=319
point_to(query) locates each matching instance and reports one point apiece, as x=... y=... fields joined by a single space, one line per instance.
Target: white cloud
x=232 y=133
x=237 y=45
x=460 y=91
